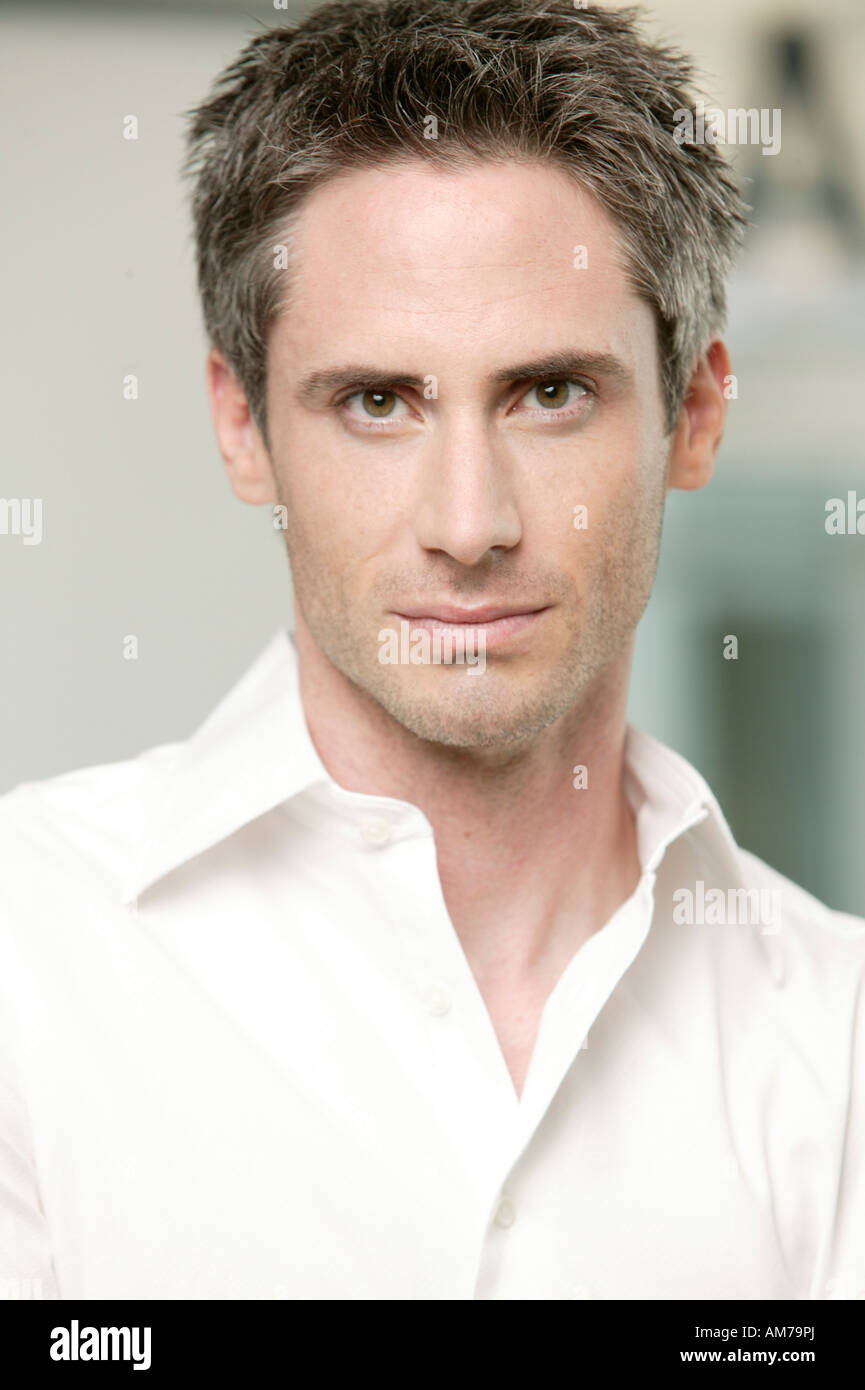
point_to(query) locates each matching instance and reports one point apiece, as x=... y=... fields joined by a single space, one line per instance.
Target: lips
x=447 y=614
x=495 y=625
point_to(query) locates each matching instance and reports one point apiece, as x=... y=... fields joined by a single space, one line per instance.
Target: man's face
x=452 y=378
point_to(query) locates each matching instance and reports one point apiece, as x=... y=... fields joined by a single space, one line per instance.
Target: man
x=417 y=973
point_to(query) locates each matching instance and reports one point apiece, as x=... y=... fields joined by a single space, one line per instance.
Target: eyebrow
x=557 y=365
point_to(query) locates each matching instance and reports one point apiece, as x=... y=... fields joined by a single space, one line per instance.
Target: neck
x=521 y=853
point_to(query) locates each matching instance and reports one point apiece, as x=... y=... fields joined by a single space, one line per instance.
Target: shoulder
x=801 y=911
x=79 y=826
x=815 y=953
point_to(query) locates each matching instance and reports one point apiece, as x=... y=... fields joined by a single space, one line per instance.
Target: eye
x=554 y=395
x=375 y=405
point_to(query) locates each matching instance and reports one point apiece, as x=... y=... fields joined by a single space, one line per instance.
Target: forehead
x=444 y=257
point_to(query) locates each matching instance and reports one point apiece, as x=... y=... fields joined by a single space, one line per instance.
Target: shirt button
x=375 y=830
x=506 y=1212
x=438 y=1000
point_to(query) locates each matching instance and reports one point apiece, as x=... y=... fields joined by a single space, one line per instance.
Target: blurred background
x=142 y=537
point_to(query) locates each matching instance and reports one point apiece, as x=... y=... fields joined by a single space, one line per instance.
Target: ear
x=700 y=426
x=247 y=462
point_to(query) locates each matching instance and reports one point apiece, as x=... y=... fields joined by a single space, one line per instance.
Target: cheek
x=335 y=534
x=625 y=470
x=629 y=512
x=331 y=476
x=614 y=542
x=594 y=490
x=631 y=543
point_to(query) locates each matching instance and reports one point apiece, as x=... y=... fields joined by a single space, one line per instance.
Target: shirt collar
x=251 y=754
x=671 y=798
x=254 y=752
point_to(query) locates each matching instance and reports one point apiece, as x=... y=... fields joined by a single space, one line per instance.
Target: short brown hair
x=354 y=84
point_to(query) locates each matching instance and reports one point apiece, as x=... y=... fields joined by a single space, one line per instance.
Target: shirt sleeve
x=26 y=1264
x=844 y=1274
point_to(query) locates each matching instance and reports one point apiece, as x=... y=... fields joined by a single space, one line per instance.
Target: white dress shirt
x=243 y=1055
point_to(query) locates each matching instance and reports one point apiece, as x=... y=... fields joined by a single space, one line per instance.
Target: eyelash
x=379 y=426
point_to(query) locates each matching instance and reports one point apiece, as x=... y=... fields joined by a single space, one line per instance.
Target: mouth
x=496 y=623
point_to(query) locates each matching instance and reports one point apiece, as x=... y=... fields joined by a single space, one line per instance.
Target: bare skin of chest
x=516 y=1016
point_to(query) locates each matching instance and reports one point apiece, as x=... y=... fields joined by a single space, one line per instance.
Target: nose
x=467 y=504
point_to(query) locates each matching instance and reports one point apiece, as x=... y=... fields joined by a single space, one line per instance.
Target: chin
x=473 y=712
